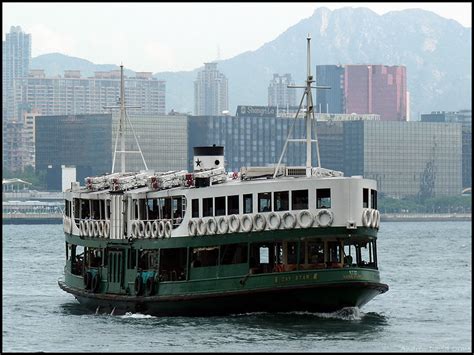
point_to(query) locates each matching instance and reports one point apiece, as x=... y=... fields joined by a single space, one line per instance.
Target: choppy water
x=428 y=307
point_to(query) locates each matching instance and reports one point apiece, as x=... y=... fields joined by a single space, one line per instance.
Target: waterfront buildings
x=211 y=96
x=73 y=94
x=279 y=94
x=363 y=89
x=16 y=59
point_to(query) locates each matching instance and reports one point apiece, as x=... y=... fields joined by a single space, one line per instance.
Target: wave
x=136 y=316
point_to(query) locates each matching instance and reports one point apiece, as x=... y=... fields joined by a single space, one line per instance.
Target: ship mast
x=309 y=116
x=121 y=131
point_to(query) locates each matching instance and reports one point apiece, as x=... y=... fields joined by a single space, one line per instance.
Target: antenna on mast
x=309 y=115
x=121 y=130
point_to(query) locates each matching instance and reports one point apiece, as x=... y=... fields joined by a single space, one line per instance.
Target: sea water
x=427 y=266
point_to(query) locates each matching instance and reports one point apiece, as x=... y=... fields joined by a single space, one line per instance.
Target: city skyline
x=164 y=34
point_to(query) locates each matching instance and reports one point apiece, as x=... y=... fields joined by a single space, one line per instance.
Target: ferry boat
x=208 y=242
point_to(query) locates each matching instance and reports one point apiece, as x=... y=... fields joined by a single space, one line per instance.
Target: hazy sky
x=173 y=36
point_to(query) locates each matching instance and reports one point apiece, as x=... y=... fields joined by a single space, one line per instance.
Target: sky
x=159 y=37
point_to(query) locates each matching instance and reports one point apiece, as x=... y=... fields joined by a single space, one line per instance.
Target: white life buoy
x=366 y=217
x=168 y=229
x=234 y=223
x=259 y=222
x=90 y=228
x=377 y=219
x=161 y=229
x=200 y=226
x=81 y=228
x=141 y=229
x=135 y=229
x=107 y=229
x=192 y=227
x=148 y=229
x=101 y=229
x=222 y=225
x=289 y=220
x=246 y=223
x=324 y=218
x=96 y=228
x=154 y=229
x=211 y=226
x=305 y=219
x=273 y=220
x=373 y=217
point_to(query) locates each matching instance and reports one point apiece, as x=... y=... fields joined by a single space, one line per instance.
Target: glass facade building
x=83 y=141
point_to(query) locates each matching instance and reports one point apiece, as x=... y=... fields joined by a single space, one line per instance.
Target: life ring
x=168 y=229
x=141 y=229
x=161 y=229
x=134 y=229
x=377 y=219
x=150 y=285
x=148 y=230
x=246 y=223
x=138 y=285
x=107 y=229
x=373 y=217
x=234 y=223
x=273 y=220
x=366 y=217
x=200 y=226
x=222 y=225
x=324 y=221
x=289 y=220
x=305 y=219
x=211 y=225
x=192 y=227
x=96 y=228
x=82 y=232
x=154 y=229
x=95 y=282
x=101 y=229
x=259 y=226
x=90 y=228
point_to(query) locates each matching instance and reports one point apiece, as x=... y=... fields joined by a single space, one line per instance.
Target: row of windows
x=266 y=202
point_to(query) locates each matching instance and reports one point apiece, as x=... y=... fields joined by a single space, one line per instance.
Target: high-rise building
x=73 y=94
x=376 y=89
x=330 y=100
x=279 y=94
x=16 y=59
x=210 y=92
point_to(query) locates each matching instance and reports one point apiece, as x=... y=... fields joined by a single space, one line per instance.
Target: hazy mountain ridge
x=435 y=50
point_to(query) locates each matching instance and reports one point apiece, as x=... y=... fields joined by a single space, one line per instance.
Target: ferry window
x=178 y=209
x=220 y=206
x=102 y=209
x=132 y=258
x=281 y=201
x=365 y=198
x=77 y=208
x=173 y=264
x=204 y=256
x=233 y=254
x=195 y=208
x=135 y=209
x=349 y=255
x=85 y=212
x=107 y=205
x=233 y=204
x=299 y=200
x=265 y=202
x=95 y=213
x=66 y=205
x=142 y=209
x=334 y=252
x=315 y=252
x=373 y=197
x=167 y=208
x=291 y=252
x=323 y=198
x=248 y=203
x=153 y=212
x=207 y=207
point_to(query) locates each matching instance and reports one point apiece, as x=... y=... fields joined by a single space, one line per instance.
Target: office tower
x=210 y=92
x=16 y=58
x=376 y=89
x=330 y=100
x=279 y=94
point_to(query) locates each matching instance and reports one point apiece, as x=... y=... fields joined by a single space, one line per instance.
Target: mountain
x=435 y=50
